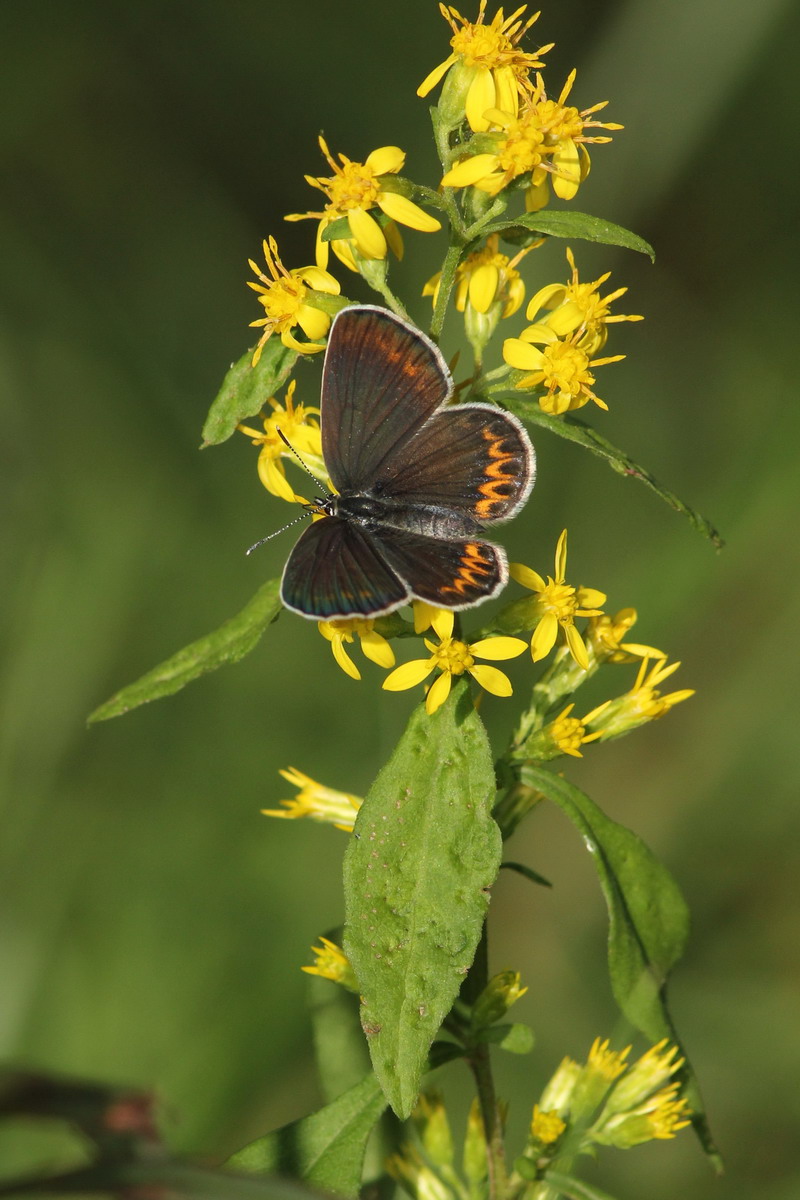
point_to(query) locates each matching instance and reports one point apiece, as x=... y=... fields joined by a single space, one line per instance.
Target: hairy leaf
x=246 y=389
x=227 y=644
x=574 y=430
x=562 y=224
x=326 y=1148
x=424 y=853
x=574 y=1189
x=648 y=922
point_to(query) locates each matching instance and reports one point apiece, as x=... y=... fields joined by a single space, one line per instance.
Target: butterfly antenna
x=303 y=516
x=307 y=470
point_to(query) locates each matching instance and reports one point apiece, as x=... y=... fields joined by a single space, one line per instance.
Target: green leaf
x=342 y=1057
x=648 y=923
x=574 y=430
x=424 y=853
x=574 y=1189
x=562 y=224
x=515 y=1039
x=227 y=644
x=326 y=1148
x=246 y=389
x=528 y=873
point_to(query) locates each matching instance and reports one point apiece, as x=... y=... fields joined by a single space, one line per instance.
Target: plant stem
x=446 y=281
x=481 y=1066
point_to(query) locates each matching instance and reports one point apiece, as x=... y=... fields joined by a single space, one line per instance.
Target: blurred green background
x=153 y=922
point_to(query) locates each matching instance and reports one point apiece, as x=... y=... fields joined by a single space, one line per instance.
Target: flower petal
x=506 y=90
x=522 y=355
x=561 y=557
x=483 y=284
x=467 y=172
x=367 y=233
x=430 y=81
x=386 y=160
x=401 y=209
x=443 y=620
x=313 y=322
x=343 y=658
x=394 y=239
x=377 y=649
x=482 y=94
x=568 y=170
x=576 y=647
x=491 y=680
x=526 y=576
x=590 y=597
x=273 y=478
x=438 y=692
x=549 y=296
x=408 y=675
x=291 y=342
x=544 y=636
x=497 y=648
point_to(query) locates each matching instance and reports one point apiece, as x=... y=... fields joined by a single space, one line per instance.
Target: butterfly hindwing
x=336 y=570
x=381 y=381
x=471 y=458
x=453 y=573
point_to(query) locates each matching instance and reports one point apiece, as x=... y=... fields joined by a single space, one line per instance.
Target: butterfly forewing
x=336 y=570
x=471 y=458
x=381 y=381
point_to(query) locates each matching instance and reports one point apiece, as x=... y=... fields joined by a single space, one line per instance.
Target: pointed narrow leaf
x=424 y=853
x=326 y=1148
x=574 y=1189
x=246 y=389
x=574 y=430
x=648 y=923
x=527 y=872
x=558 y=223
x=227 y=644
x=515 y=1039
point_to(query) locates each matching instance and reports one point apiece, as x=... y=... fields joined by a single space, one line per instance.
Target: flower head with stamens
x=564 y=130
x=317 y=802
x=518 y=150
x=354 y=189
x=562 y=369
x=375 y=647
x=563 y=735
x=546 y=1127
x=557 y=605
x=453 y=658
x=486 y=278
x=331 y=962
x=577 y=307
x=299 y=426
x=639 y=1108
x=487 y=67
x=644 y=702
x=286 y=297
x=604 y=634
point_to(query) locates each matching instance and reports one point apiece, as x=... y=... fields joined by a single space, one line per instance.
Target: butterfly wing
x=336 y=571
x=447 y=573
x=473 y=459
x=381 y=381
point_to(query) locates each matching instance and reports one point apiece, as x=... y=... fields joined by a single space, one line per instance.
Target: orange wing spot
x=500 y=477
x=473 y=569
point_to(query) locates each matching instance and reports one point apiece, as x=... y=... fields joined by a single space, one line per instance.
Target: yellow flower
x=603 y=1066
x=564 y=735
x=563 y=129
x=317 y=802
x=577 y=308
x=486 y=278
x=374 y=646
x=605 y=634
x=557 y=605
x=297 y=424
x=414 y=1175
x=546 y=1127
x=520 y=150
x=285 y=296
x=639 y=1107
x=452 y=658
x=644 y=702
x=562 y=368
x=352 y=190
x=490 y=69
x=332 y=963
x=502 y=990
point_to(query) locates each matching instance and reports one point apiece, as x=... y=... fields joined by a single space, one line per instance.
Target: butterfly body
x=416 y=480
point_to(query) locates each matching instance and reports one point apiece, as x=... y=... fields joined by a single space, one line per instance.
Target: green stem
x=479 y=1062
x=383 y=289
x=446 y=282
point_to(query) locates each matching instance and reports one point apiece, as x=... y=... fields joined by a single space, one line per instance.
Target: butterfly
x=415 y=480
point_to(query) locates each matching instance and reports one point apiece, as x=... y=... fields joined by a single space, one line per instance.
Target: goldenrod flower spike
x=562 y=368
x=285 y=297
x=576 y=308
x=486 y=278
x=557 y=606
x=375 y=647
x=299 y=425
x=317 y=802
x=352 y=191
x=564 y=130
x=453 y=658
x=332 y=963
x=489 y=69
